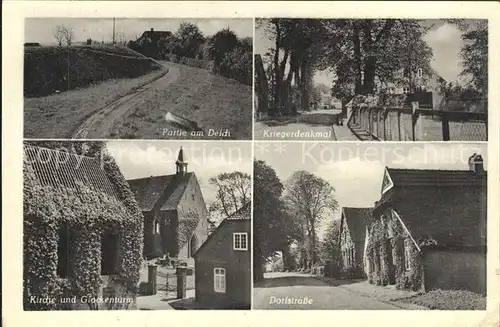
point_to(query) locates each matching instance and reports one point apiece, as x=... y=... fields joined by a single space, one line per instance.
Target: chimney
x=476 y=164
x=151 y=32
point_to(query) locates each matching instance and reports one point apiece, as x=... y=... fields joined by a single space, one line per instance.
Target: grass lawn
x=450 y=300
x=215 y=103
x=59 y=115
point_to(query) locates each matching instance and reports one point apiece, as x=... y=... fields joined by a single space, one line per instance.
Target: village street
x=317 y=122
x=314 y=293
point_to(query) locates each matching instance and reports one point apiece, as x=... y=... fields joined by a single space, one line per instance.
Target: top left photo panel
x=138 y=78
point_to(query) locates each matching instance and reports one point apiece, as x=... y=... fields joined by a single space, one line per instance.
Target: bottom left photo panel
x=137 y=225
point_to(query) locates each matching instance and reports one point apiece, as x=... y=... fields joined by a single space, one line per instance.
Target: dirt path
x=99 y=124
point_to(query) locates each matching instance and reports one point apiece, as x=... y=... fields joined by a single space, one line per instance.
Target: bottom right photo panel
x=370 y=226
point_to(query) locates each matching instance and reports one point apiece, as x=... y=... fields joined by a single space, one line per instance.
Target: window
x=407 y=258
x=109 y=253
x=157 y=227
x=406 y=90
x=420 y=72
x=63 y=251
x=193 y=246
x=240 y=241
x=220 y=280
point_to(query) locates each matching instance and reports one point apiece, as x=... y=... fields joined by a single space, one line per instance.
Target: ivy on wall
x=87 y=213
x=387 y=239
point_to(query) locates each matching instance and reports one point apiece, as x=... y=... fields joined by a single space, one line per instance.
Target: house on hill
x=82 y=233
x=429 y=229
x=149 y=43
x=353 y=232
x=175 y=213
x=222 y=264
x=154 y=36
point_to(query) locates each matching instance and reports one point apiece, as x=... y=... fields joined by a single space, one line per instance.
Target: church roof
x=148 y=191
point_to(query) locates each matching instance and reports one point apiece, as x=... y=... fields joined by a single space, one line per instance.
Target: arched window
x=157 y=227
x=193 y=246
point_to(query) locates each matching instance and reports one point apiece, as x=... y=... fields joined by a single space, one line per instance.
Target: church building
x=175 y=213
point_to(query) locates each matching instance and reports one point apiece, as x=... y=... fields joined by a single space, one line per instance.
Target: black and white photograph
x=370 y=226
x=138 y=78
x=129 y=225
x=371 y=79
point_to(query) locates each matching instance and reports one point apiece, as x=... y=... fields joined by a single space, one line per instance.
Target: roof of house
x=357 y=220
x=61 y=169
x=464 y=228
x=427 y=177
x=242 y=214
x=149 y=190
x=158 y=34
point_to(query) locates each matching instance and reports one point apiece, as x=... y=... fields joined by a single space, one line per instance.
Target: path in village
x=99 y=124
x=334 y=132
x=288 y=286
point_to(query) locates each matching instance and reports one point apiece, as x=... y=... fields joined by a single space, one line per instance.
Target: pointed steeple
x=180 y=164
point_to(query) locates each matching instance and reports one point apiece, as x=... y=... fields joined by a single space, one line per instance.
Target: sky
x=137 y=159
x=444 y=39
x=41 y=30
x=355 y=170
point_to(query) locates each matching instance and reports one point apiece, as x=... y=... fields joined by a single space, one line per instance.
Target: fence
x=406 y=124
x=167 y=281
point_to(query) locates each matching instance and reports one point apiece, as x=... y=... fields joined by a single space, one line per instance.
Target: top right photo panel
x=371 y=79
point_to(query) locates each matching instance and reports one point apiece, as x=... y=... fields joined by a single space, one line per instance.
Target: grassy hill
x=49 y=70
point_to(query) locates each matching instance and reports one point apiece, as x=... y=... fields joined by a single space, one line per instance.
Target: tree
x=191 y=39
x=261 y=85
x=330 y=246
x=59 y=34
x=121 y=38
x=221 y=43
x=295 y=47
x=366 y=50
x=233 y=192
x=266 y=215
x=311 y=198
x=67 y=34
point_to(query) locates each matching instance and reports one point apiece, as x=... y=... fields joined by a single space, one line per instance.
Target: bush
x=51 y=69
x=331 y=269
x=352 y=273
x=237 y=65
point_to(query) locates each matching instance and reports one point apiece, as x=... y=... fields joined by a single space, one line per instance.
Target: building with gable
x=175 y=213
x=353 y=233
x=82 y=232
x=223 y=265
x=429 y=229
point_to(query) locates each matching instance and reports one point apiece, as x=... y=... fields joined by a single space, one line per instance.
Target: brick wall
x=455 y=270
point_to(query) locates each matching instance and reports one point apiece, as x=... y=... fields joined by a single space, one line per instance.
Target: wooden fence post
x=414 y=119
x=399 y=125
x=445 y=124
